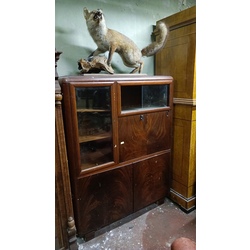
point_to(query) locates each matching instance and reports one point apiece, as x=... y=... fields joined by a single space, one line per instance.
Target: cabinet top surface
x=116 y=77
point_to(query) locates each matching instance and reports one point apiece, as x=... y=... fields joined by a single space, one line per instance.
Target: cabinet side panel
x=178 y=59
x=181 y=151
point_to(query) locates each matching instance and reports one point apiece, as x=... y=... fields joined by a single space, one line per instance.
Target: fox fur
x=113 y=41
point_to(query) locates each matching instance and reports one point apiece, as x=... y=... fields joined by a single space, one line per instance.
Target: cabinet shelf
x=87 y=138
x=93 y=110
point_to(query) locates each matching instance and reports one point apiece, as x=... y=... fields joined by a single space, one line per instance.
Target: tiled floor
x=154 y=230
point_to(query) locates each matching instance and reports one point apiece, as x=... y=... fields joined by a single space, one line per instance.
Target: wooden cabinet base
x=109 y=197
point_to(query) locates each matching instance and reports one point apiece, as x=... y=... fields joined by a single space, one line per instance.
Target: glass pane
x=154 y=96
x=94 y=125
x=144 y=97
x=93 y=98
x=96 y=152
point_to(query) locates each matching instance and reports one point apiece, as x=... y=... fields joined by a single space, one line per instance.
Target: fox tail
x=161 y=32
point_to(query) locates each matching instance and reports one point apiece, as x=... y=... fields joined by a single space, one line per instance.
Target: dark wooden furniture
x=65 y=235
x=118 y=134
x=178 y=60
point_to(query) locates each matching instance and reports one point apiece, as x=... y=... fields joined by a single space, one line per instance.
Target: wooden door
x=103 y=199
x=144 y=134
x=151 y=180
x=132 y=137
x=158 y=131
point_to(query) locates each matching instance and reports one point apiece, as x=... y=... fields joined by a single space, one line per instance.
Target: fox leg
x=141 y=66
x=96 y=52
x=112 y=50
x=138 y=68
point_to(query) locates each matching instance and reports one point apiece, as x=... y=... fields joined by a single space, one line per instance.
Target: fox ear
x=86 y=13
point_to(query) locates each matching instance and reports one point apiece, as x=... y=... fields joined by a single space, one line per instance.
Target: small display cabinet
x=119 y=135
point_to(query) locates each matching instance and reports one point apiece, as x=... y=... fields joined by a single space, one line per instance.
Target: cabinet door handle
x=141 y=117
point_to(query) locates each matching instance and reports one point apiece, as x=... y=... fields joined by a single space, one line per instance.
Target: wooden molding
x=186 y=199
x=58 y=99
x=64 y=214
x=182 y=24
x=186 y=203
x=185 y=101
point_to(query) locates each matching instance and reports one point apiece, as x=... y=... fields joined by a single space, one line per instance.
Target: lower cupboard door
x=103 y=199
x=151 y=180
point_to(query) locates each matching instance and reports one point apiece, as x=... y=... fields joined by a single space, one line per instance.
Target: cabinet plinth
x=119 y=139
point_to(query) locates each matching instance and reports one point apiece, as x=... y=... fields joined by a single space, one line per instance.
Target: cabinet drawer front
x=158 y=130
x=132 y=137
x=144 y=134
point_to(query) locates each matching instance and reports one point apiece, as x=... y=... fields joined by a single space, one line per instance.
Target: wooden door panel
x=103 y=199
x=132 y=137
x=151 y=180
x=144 y=134
x=179 y=59
x=184 y=152
x=158 y=131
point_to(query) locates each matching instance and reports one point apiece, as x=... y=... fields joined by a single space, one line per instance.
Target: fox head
x=95 y=16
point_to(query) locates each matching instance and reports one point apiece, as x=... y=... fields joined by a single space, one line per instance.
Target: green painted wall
x=133 y=18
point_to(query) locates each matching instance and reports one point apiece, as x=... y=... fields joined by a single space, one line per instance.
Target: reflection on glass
x=144 y=97
x=94 y=126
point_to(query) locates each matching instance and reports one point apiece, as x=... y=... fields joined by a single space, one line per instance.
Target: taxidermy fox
x=113 y=41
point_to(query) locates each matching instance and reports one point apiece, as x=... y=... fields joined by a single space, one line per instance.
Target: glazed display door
x=94 y=122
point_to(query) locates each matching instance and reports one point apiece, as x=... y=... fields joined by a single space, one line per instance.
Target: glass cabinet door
x=144 y=97
x=94 y=119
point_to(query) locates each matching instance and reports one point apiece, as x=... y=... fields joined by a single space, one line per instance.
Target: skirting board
x=186 y=204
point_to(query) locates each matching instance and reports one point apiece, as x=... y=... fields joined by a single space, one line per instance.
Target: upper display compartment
x=143 y=97
x=92 y=108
